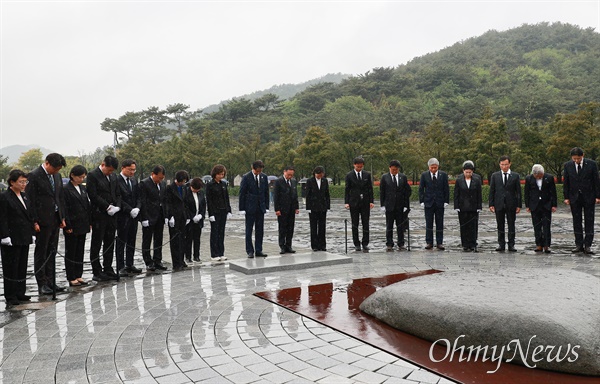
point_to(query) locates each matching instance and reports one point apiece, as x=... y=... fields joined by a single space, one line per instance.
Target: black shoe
x=512 y=249
x=429 y=246
x=467 y=249
x=196 y=259
x=23 y=297
x=45 y=290
x=251 y=255
x=315 y=250
x=475 y=250
x=260 y=254
x=538 y=249
x=324 y=249
x=389 y=248
x=188 y=259
x=124 y=272
x=160 y=266
x=577 y=249
x=282 y=250
x=500 y=249
x=441 y=247
x=358 y=248
x=111 y=275
x=588 y=251
x=150 y=267
x=547 y=250
x=177 y=269
x=101 y=277
x=133 y=269
x=290 y=250
x=59 y=289
x=12 y=302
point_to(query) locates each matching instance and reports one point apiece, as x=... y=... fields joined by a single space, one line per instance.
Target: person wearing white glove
x=16 y=226
x=127 y=220
x=152 y=201
x=177 y=213
x=468 y=204
x=394 y=196
x=195 y=204
x=105 y=198
x=318 y=202
x=254 y=204
x=217 y=202
x=434 y=196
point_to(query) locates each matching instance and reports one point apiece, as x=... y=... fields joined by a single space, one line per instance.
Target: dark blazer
x=190 y=205
x=79 y=213
x=434 y=194
x=102 y=192
x=43 y=200
x=390 y=194
x=285 y=198
x=252 y=198
x=174 y=205
x=217 y=197
x=505 y=196
x=354 y=188
x=587 y=184
x=317 y=200
x=467 y=199
x=535 y=197
x=152 y=201
x=129 y=198
x=16 y=222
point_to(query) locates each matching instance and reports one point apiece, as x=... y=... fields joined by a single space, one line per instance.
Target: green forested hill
x=532 y=92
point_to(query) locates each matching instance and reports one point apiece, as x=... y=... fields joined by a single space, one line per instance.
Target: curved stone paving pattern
x=204 y=325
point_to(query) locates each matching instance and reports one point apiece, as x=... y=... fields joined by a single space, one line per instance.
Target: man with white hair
x=540 y=201
x=434 y=196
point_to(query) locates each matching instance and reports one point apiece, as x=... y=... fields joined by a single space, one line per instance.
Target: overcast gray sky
x=65 y=66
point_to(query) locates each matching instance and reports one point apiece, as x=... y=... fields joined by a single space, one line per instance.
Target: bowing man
x=178 y=218
x=394 y=195
x=254 y=203
x=540 y=200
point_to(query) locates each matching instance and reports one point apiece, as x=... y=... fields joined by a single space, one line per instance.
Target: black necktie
x=578 y=169
x=289 y=183
x=129 y=184
x=358 y=175
x=505 y=177
x=434 y=178
x=51 y=178
x=395 y=182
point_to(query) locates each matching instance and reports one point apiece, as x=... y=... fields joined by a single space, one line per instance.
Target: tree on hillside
x=30 y=160
x=5 y=168
x=315 y=149
x=177 y=115
x=127 y=125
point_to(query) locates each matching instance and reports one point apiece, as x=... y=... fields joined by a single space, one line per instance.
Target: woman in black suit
x=16 y=232
x=78 y=222
x=195 y=205
x=467 y=202
x=219 y=210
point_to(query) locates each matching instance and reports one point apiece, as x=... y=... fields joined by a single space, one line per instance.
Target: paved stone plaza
x=204 y=325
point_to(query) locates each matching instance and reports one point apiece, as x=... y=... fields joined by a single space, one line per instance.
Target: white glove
x=6 y=241
x=243 y=213
x=422 y=205
x=172 y=222
x=405 y=209
x=229 y=215
x=308 y=211
x=211 y=219
x=479 y=211
x=33 y=239
x=457 y=209
x=266 y=211
x=197 y=218
x=112 y=210
x=166 y=221
x=145 y=223
x=134 y=212
x=187 y=221
x=382 y=209
x=445 y=205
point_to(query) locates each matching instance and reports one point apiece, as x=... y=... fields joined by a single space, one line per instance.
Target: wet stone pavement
x=204 y=325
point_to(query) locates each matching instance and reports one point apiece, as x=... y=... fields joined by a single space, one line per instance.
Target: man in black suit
x=105 y=198
x=127 y=219
x=177 y=214
x=394 y=195
x=318 y=202
x=540 y=200
x=285 y=196
x=152 y=194
x=195 y=203
x=505 y=201
x=434 y=196
x=358 y=198
x=45 y=191
x=254 y=203
x=582 y=190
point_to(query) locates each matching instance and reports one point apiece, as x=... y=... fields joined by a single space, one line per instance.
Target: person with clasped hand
x=505 y=201
x=394 y=195
x=358 y=198
x=285 y=195
x=178 y=218
x=46 y=194
x=219 y=210
x=152 y=217
x=318 y=202
x=128 y=218
x=254 y=204
x=434 y=196
x=540 y=201
x=17 y=233
x=195 y=203
x=581 y=190
x=468 y=204
x=79 y=223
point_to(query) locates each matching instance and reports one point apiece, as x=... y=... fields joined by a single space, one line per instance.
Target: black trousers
x=286 y=221
x=44 y=256
x=256 y=220
x=583 y=239
x=360 y=212
x=469 y=223
x=74 y=251
x=14 y=270
x=511 y=217
x=542 y=219
x=176 y=235
x=317 y=229
x=126 y=235
x=396 y=217
x=193 y=233
x=217 y=234
x=152 y=236
x=436 y=213
x=103 y=236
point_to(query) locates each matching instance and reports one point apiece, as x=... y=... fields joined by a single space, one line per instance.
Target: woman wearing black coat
x=78 y=222
x=16 y=232
x=467 y=202
x=219 y=209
